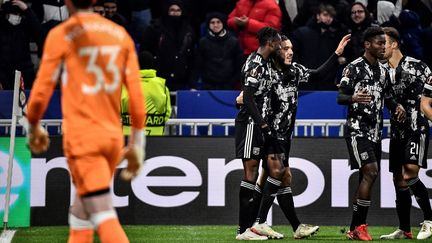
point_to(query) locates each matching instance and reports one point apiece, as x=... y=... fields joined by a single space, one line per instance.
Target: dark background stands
x=14 y=45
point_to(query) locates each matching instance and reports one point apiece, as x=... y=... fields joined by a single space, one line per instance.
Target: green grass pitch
x=208 y=233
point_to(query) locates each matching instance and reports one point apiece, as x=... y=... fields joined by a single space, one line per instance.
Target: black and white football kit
x=409 y=139
x=363 y=129
x=284 y=99
x=256 y=74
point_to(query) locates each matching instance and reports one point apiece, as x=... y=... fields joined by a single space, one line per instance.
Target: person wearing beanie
x=218 y=50
x=170 y=39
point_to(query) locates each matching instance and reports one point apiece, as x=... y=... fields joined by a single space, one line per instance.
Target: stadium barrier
x=195 y=181
x=176 y=127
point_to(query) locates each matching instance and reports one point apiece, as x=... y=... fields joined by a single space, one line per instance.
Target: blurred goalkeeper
x=93 y=57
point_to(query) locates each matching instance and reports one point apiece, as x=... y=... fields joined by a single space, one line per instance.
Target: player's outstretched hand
x=342 y=44
x=37 y=139
x=134 y=153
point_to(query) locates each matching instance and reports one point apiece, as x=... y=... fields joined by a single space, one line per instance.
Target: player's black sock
x=255 y=204
x=355 y=216
x=286 y=203
x=363 y=207
x=270 y=189
x=403 y=207
x=246 y=194
x=421 y=194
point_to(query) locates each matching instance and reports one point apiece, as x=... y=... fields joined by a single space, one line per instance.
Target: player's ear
x=367 y=44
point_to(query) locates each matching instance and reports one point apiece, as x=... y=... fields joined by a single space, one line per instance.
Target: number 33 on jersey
x=93 y=57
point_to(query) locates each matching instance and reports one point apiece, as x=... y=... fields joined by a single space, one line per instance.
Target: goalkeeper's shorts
x=92 y=163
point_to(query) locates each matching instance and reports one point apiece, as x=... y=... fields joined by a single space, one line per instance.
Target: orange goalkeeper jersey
x=92 y=57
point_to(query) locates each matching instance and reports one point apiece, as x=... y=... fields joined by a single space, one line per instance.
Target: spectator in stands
x=387 y=13
x=171 y=41
x=157 y=99
x=219 y=58
x=18 y=25
x=315 y=43
x=99 y=8
x=112 y=14
x=50 y=13
x=249 y=16
x=210 y=6
x=360 y=20
x=289 y=9
x=309 y=8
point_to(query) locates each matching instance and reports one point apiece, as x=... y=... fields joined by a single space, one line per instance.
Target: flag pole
x=11 y=147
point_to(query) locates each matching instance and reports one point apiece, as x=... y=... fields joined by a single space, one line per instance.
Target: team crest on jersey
x=256 y=150
x=364 y=156
x=253 y=72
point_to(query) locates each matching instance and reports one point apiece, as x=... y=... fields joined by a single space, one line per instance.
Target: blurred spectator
x=157 y=99
x=249 y=16
x=360 y=20
x=50 y=13
x=18 y=25
x=310 y=7
x=219 y=58
x=289 y=12
x=193 y=12
x=140 y=18
x=411 y=34
x=387 y=13
x=314 y=43
x=171 y=41
x=99 y=8
x=112 y=14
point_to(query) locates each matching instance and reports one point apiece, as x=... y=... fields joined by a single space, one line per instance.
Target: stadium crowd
x=193 y=41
